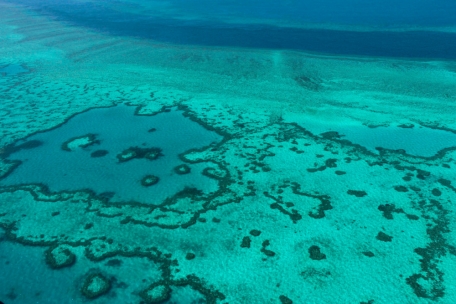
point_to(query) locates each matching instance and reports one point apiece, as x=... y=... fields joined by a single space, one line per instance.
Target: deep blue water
x=211 y=30
x=380 y=12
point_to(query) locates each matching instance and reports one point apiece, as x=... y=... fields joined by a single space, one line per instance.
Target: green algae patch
x=95 y=285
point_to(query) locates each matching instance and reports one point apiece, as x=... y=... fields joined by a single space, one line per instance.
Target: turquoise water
x=411 y=139
x=12 y=69
x=116 y=130
x=227 y=152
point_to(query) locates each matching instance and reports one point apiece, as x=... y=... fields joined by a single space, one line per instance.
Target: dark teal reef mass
x=183 y=152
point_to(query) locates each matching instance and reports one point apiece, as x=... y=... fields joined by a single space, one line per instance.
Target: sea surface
x=225 y=152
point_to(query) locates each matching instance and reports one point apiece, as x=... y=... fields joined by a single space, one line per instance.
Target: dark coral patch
x=90 y=139
x=57 y=258
x=267 y=252
x=313 y=170
x=191 y=192
x=246 y=242
x=285 y=300
x=416 y=189
x=324 y=205
x=316 y=254
x=294 y=215
x=114 y=263
x=319 y=211
x=331 y=135
x=406 y=126
x=182 y=169
x=149 y=180
x=445 y=182
x=107 y=195
x=153 y=153
x=407 y=178
x=422 y=174
x=436 y=192
x=190 y=256
x=389 y=209
x=412 y=217
x=95 y=285
x=357 y=193
x=10 y=149
x=400 y=189
x=255 y=232
x=137 y=152
x=368 y=254
x=214 y=173
x=384 y=237
x=99 y=153
x=156 y=293
x=331 y=163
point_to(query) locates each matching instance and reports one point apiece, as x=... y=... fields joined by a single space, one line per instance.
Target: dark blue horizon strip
x=423 y=45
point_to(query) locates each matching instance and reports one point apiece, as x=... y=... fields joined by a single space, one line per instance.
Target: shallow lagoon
x=413 y=139
x=116 y=129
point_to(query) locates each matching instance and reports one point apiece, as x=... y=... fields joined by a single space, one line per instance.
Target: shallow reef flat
x=133 y=171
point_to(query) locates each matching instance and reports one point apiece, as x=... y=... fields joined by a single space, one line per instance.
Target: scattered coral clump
x=149 y=180
x=137 y=152
x=95 y=285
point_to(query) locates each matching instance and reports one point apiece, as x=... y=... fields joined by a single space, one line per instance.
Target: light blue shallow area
x=118 y=129
x=12 y=69
x=418 y=141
